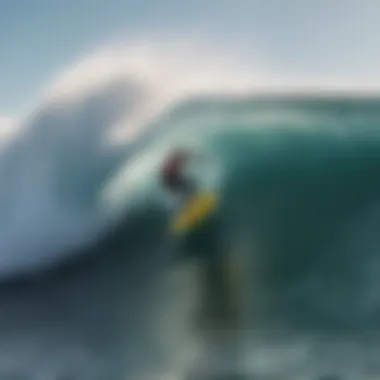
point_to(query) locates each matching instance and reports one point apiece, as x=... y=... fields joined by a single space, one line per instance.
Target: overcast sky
x=311 y=38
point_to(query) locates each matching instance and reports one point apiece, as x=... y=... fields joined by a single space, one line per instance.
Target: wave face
x=302 y=188
x=302 y=210
x=301 y=205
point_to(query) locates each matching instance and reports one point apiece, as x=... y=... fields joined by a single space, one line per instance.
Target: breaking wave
x=301 y=192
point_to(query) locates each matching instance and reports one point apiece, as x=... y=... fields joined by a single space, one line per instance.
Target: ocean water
x=94 y=287
x=300 y=210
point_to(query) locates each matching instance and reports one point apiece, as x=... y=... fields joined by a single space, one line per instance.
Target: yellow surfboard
x=196 y=210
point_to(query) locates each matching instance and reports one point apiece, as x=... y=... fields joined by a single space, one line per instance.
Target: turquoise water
x=301 y=182
x=300 y=190
x=301 y=193
x=301 y=206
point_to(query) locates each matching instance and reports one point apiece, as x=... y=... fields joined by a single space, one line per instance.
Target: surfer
x=173 y=173
x=194 y=203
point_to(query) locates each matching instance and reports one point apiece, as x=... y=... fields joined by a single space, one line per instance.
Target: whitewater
x=57 y=160
x=88 y=287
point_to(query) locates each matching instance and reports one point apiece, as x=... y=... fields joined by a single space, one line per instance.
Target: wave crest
x=54 y=169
